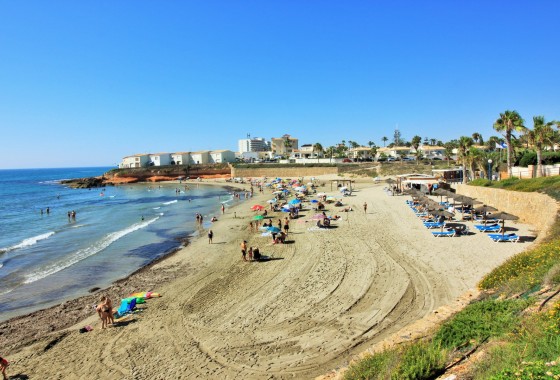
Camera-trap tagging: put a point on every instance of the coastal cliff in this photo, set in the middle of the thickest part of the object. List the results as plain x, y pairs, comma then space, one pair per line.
116, 177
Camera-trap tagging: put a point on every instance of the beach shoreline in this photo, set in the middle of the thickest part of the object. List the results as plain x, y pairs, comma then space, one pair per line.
323, 297
20, 330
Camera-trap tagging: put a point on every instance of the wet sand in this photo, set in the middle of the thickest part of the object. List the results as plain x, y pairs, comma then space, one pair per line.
319, 299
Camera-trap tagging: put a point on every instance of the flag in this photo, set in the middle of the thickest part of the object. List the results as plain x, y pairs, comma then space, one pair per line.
501, 145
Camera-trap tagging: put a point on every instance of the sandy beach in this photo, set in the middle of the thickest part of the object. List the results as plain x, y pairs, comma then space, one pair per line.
321, 298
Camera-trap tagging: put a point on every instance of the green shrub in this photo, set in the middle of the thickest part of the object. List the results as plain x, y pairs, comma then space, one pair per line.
527, 268
478, 321
415, 361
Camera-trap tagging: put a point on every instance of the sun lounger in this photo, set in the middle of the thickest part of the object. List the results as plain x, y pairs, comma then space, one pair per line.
507, 237
444, 233
434, 224
488, 227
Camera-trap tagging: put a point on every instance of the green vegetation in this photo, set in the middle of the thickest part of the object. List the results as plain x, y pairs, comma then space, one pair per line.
517, 344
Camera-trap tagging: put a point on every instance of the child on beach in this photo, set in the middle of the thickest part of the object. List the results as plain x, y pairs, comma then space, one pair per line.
3, 365
210, 236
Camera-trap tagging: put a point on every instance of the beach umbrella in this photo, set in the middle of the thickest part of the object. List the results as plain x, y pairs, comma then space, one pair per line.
503, 216
258, 217
273, 229
257, 208
294, 202
277, 192
485, 209
274, 200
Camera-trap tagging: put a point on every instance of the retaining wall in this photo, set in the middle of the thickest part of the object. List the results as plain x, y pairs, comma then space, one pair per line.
538, 210
283, 172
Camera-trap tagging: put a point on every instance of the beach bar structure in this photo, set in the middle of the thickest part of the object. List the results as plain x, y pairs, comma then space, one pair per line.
417, 181
452, 175
342, 182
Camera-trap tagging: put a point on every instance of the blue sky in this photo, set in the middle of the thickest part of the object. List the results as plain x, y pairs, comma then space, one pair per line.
86, 83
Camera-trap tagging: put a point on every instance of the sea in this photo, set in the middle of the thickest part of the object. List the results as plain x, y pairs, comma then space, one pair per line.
47, 257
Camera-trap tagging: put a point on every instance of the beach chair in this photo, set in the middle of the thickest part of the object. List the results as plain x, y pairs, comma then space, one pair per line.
450, 233
488, 227
507, 237
431, 225
127, 306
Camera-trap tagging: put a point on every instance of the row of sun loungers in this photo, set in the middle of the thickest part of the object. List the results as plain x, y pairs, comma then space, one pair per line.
489, 226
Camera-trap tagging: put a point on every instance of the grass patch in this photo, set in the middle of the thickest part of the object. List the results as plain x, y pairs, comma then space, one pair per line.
479, 321
531, 351
422, 360
525, 270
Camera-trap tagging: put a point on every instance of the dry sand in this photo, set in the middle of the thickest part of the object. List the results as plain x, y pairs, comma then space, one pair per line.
323, 297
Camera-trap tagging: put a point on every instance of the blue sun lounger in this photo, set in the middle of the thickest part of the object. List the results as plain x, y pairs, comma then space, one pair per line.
433, 224
507, 237
450, 233
488, 227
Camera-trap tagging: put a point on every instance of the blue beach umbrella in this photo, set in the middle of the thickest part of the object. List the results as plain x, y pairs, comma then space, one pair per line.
273, 229
294, 201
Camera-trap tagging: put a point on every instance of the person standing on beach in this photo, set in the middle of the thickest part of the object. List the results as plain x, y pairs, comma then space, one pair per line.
244, 250
365, 207
3, 365
286, 226
104, 311
210, 236
250, 253
223, 209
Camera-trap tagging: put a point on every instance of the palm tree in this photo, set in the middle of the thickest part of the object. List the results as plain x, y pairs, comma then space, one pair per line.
477, 137
448, 153
373, 151
415, 143
384, 139
370, 143
317, 147
433, 142
540, 136
463, 150
509, 122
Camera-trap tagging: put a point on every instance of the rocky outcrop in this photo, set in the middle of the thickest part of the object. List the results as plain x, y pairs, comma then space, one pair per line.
85, 183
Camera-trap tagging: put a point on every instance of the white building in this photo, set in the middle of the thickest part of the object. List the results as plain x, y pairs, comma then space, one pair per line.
361, 152
134, 161
221, 156
201, 157
160, 159
181, 158
256, 144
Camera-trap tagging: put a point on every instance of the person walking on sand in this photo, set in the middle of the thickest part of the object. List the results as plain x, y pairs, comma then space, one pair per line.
244, 250
286, 226
210, 236
365, 207
3, 365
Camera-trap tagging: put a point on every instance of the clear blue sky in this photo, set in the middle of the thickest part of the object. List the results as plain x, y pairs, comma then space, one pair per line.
84, 83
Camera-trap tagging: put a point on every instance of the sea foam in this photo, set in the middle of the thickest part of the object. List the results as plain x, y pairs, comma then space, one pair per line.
84, 253
28, 242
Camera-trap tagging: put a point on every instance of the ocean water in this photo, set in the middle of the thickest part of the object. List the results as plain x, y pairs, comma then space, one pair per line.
46, 258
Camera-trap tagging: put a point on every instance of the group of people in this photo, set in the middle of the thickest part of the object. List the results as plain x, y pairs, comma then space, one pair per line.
251, 254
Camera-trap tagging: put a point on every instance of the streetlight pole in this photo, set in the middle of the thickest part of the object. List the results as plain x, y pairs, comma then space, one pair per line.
490, 169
